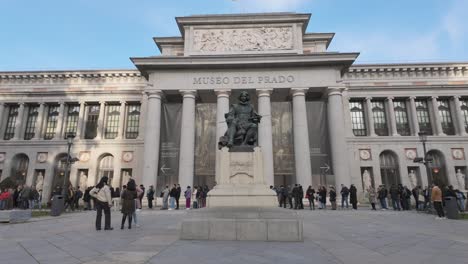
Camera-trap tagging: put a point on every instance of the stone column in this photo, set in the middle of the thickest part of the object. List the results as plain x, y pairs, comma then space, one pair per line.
100, 126
391, 117
265, 138
339, 150
222, 107
151, 146
459, 116
120, 134
19, 121
60, 119
301, 138
370, 116
81, 121
187, 139
414, 116
39, 121
435, 108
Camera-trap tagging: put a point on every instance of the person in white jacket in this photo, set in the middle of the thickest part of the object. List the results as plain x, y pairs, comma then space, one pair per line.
103, 197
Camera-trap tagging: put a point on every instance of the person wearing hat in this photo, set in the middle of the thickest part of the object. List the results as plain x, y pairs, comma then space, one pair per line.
103, 197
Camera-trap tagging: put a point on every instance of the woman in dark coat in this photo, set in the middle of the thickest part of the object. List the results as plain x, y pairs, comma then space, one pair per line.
128, 203
353, 196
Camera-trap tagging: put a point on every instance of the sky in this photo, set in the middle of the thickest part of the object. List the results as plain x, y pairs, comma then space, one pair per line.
103, 34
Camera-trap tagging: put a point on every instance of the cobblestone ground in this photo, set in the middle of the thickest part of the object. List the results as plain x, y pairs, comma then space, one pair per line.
361, 236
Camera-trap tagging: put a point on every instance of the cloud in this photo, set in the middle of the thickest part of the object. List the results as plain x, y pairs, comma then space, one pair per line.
269, 5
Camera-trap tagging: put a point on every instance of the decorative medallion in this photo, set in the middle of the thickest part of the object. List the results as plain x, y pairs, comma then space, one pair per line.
127, 156
411, 153
458, 154
2, 157
84, 156
365, 154
41, 157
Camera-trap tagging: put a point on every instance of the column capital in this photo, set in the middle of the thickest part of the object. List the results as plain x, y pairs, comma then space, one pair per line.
299, 91
123, 102
335, 90
390, 98
153, 94
21, 103
222, 92
188, 93
368, 98
412, 98
102, 102
456, 97
264, 92
434, 97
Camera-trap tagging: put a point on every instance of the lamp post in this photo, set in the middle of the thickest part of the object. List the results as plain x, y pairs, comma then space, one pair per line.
423, 138
70, 138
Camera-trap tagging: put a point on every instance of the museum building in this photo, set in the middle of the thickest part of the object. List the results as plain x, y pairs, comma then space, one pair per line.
325, 120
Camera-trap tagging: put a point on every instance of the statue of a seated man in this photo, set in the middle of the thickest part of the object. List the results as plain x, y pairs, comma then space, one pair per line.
242, 122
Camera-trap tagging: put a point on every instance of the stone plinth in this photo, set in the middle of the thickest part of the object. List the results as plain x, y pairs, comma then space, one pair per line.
15, 216
242, 223
240, 181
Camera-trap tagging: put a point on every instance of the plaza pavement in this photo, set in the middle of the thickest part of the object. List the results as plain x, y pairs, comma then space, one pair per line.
361, 236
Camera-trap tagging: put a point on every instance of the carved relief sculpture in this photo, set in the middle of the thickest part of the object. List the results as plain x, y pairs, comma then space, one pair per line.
366, 179
412, 179
246, 39
39, 182
83, 181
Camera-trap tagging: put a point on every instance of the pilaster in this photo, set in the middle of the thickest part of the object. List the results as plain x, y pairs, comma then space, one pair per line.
265, 139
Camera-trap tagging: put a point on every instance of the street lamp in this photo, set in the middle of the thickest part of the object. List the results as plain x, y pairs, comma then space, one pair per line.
69, 160
423, 138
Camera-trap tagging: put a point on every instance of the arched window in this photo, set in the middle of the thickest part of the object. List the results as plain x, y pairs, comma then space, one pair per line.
106, 168
389, 168
19, 170
438, 171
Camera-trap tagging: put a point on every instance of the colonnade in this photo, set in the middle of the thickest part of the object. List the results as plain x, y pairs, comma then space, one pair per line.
300, 129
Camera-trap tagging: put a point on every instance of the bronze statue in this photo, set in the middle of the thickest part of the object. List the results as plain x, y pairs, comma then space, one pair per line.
242, 122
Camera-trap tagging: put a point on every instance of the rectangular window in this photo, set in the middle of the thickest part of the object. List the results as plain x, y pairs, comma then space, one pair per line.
401, 118
424, 120
73, 114
380, 118
92, 121
446, 117
11, 122
112, 121
133, 121
464, 109
31, 122
358, 121
52, 119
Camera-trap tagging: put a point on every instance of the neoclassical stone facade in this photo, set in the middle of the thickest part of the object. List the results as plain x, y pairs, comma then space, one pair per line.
160, 123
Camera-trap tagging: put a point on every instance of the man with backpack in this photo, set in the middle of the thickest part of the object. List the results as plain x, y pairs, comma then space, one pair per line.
344, 196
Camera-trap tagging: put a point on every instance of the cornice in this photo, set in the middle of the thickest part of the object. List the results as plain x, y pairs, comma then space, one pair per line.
84, 74
309, 37
147, 64
376, 72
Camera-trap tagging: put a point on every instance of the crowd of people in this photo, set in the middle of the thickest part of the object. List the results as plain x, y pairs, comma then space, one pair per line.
399, 196
22, 197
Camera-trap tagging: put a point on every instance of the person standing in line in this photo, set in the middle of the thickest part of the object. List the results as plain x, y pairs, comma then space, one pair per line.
150, 196
372, 197
415, 193
353, 196
290, 197
87, 198
394, 194
33, 197
323, 197
382, 195
301, 197
195, 196
165, 196
188, 197
332, 197
310, 194
344, 196
172, 196
460, 200
77, 197
295, 191
103, 203
177, 197
436, 198
128, 197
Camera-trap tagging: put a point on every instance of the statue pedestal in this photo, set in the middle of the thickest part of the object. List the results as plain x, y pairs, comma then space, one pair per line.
240, 181
241, 206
